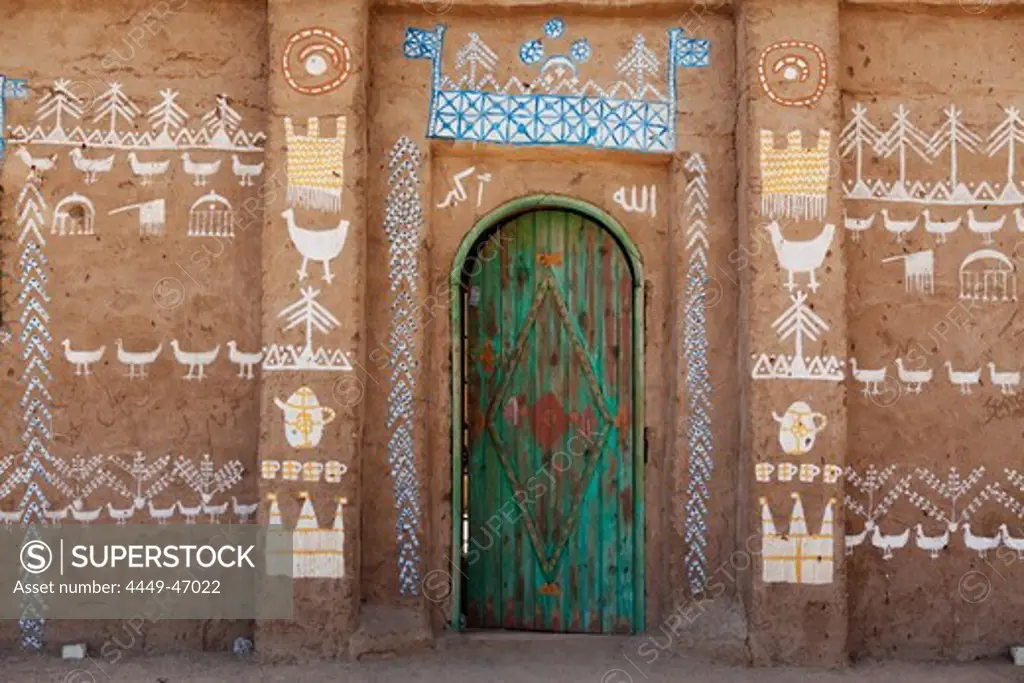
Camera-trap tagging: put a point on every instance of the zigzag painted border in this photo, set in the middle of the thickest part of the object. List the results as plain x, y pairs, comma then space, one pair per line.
698, 382
35, 341
403, 222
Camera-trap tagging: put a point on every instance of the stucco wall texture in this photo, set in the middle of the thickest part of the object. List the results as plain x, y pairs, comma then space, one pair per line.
884, 291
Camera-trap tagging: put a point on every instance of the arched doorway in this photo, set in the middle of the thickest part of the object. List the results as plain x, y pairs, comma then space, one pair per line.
547, 325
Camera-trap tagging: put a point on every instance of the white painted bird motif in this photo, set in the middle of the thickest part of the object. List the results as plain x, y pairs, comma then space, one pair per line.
245, 172
91, 167
1012, 542
854, 540
898, 228
161, 515
984, 228
215, 511
195, 360
36, 163
11, 517
58, 515
933, 544
965, 380
82, 359
886, 542
1006, 381
86, 516
243, 512
146, 170
190, 514
137, 361
200, 171
913, 378
245, 361
869, 378
858, 225
121, 516
980, 543
801, 256
940, 228
316, 245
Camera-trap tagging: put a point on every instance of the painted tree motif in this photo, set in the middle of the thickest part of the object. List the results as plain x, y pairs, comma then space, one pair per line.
221, 122
638, 64
859, 133
476, 56
870, 485
146, 480
901, 137
113, 105
13, 479
62, 106
954, 135
207, 481
309, 313
1007, 499
951, 491
798, 322
166, 118
1007, 135
78, 478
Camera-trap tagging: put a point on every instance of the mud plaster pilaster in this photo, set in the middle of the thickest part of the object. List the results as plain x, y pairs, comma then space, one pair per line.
789, 622
325, 609
398, 184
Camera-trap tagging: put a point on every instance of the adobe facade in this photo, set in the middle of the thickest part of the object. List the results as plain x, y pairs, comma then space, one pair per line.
283, 260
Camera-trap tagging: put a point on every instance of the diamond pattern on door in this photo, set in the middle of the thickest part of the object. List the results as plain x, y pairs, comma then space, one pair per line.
549, 424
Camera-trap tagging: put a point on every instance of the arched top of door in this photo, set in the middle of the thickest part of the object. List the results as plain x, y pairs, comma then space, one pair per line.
540, 202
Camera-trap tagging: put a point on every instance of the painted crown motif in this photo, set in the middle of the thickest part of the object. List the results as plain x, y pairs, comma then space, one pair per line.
797, 520
795, 169
797, 557
316, 551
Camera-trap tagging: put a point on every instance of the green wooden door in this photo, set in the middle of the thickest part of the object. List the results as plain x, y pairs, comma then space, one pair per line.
550, 540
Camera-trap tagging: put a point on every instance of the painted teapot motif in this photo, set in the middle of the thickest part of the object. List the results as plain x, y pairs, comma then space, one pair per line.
304, 418
798, 428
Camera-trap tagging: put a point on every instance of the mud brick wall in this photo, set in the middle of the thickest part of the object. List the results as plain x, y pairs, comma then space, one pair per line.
934, 284
104, 82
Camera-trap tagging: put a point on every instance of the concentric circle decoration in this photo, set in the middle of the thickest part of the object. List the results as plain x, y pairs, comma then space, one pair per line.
793, 73
316, 61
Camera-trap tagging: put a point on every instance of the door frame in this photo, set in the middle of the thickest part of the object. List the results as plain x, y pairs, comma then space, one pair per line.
488, 223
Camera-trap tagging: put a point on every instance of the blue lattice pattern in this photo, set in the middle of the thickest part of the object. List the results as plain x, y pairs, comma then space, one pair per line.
10, 89
552, 120
689, 52
420, 43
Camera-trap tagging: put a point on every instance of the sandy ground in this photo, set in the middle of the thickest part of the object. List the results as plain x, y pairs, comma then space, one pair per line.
593, 660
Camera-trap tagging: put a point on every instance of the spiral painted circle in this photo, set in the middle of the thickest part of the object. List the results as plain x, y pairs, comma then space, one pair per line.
316, 61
